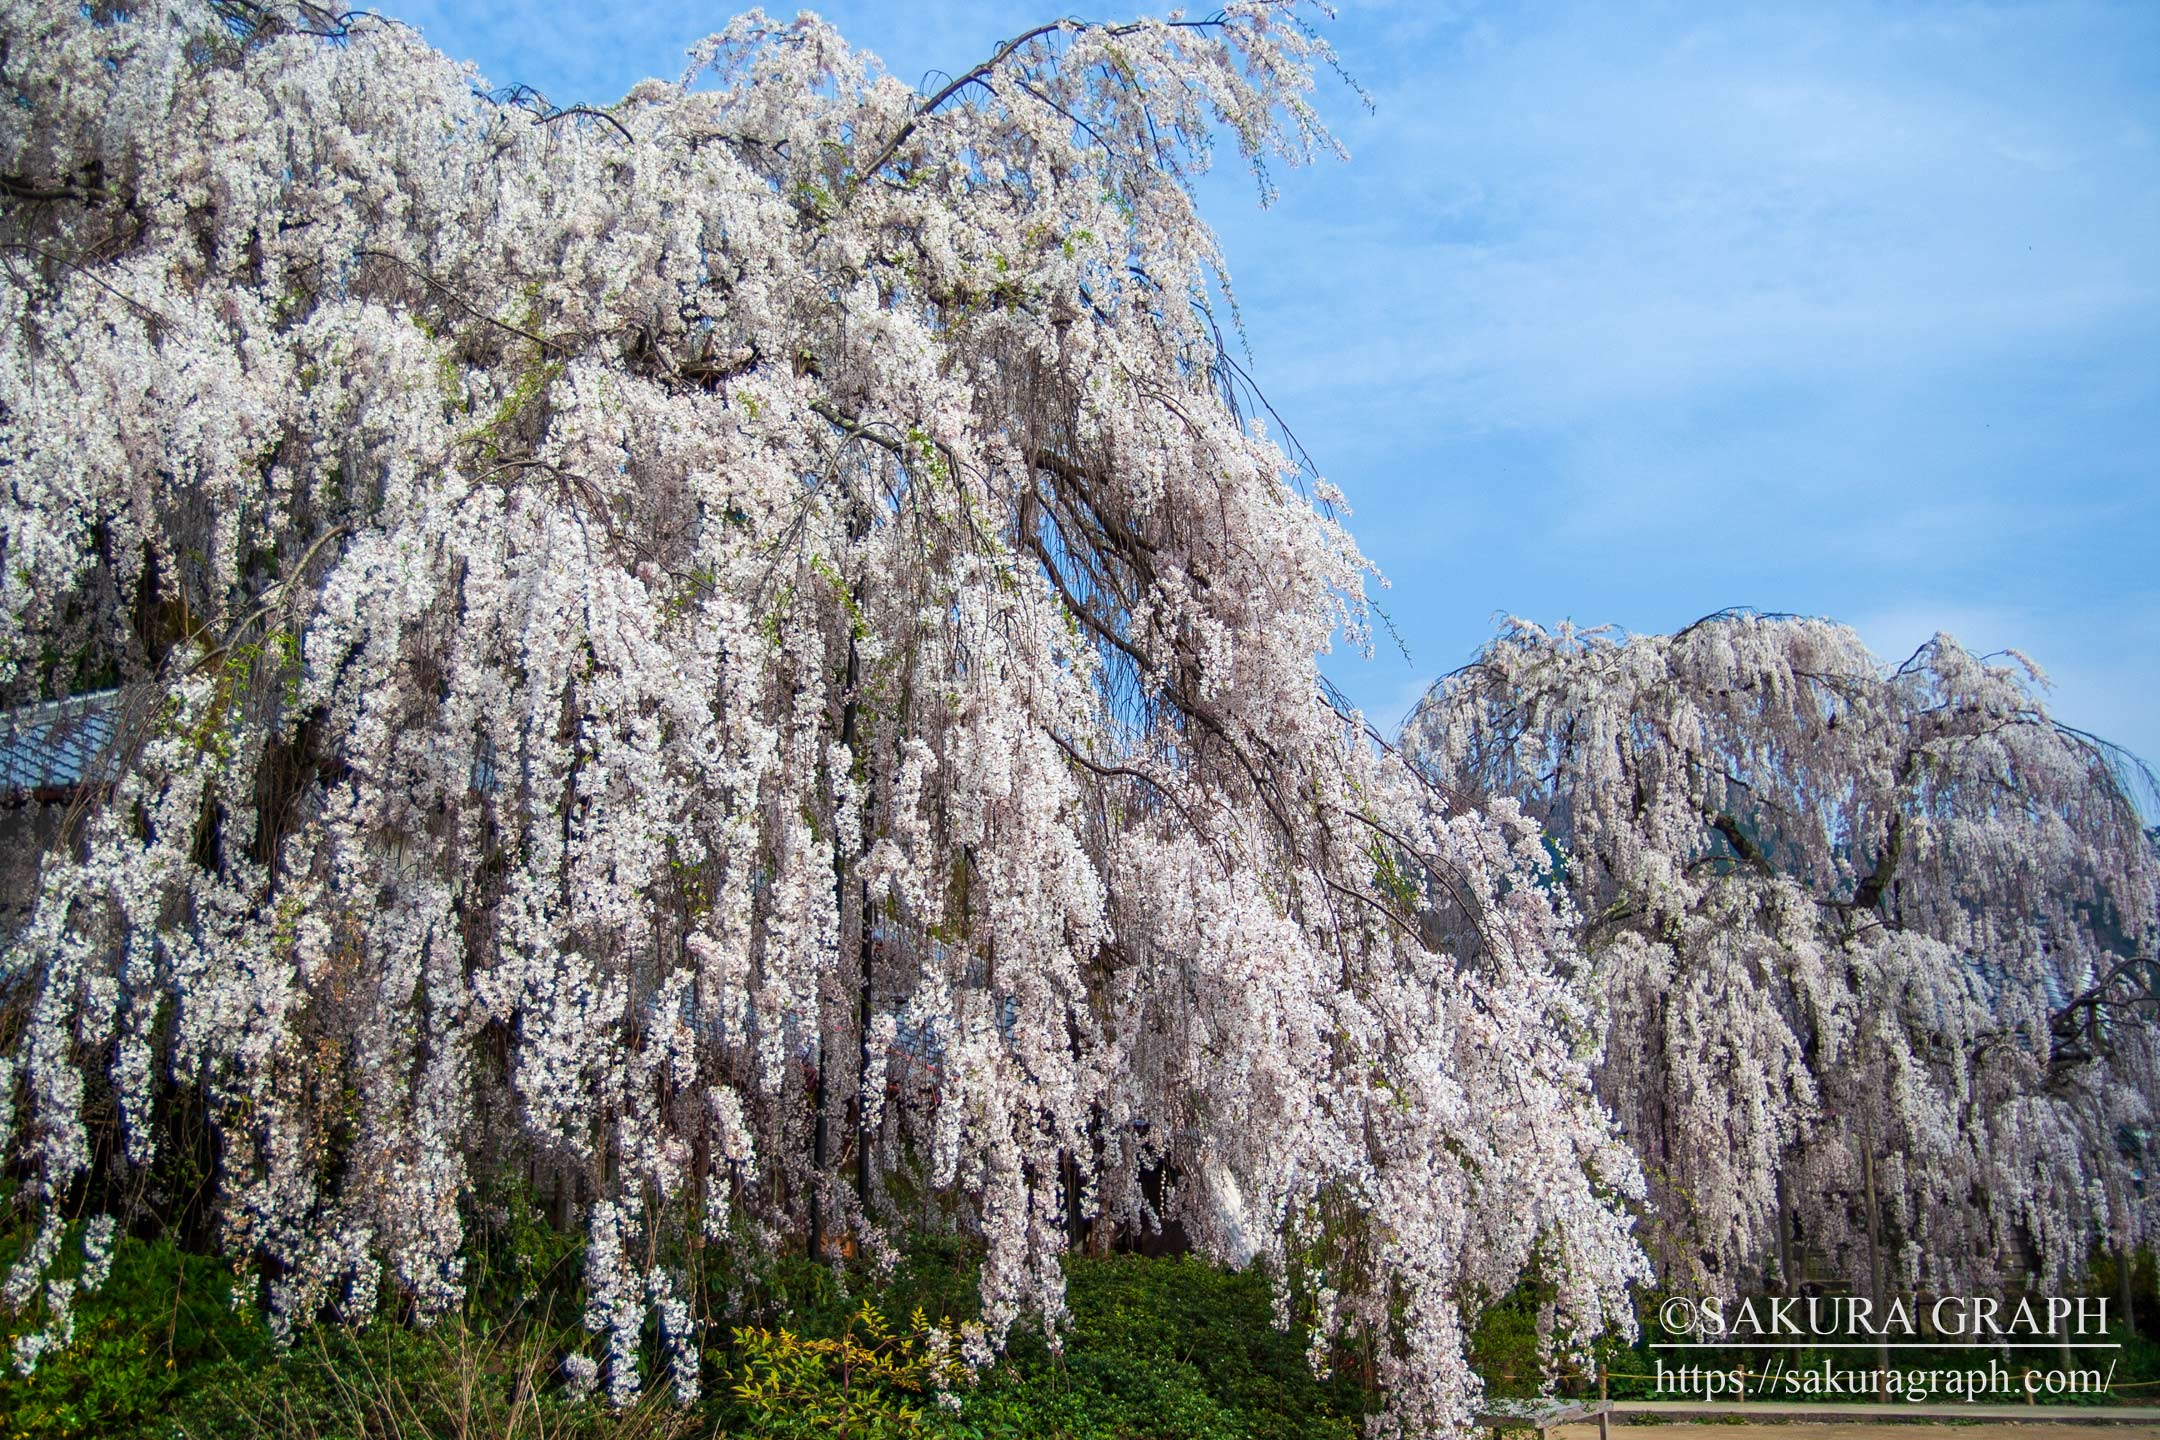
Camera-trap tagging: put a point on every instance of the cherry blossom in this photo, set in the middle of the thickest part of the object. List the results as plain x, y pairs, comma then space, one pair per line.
1870, 946
734, 657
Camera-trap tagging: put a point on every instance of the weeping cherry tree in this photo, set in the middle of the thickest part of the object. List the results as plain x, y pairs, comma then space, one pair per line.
737, 658
1871, 948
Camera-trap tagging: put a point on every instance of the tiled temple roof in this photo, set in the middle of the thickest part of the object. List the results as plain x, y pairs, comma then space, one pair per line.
57, 745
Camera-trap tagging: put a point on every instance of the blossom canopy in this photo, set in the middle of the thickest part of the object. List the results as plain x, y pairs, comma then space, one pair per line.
735, 656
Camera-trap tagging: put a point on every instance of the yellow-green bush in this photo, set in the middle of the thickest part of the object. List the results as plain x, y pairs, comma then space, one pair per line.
869, 1382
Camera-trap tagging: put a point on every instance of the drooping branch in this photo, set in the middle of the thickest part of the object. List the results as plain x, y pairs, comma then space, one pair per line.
1768, 1020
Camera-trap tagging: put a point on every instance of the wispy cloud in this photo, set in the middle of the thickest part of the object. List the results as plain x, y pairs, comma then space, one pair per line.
1594, 212
1628, 313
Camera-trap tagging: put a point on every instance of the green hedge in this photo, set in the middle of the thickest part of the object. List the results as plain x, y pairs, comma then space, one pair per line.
1158, 1349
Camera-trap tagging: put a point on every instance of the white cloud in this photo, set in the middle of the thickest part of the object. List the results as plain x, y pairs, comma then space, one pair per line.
1629, 313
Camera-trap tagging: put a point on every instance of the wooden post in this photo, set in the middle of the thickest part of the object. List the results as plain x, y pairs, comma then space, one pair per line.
820, 1148
2125, 1260
1875, 1275
863, 1134
1784, 1234
821, 1136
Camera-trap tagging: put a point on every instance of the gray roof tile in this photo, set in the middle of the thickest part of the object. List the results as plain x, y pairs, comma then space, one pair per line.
57, 744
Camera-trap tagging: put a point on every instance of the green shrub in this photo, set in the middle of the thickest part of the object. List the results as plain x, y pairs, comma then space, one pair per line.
869, 1382
1156, 1350
160, 1351
1161, 1348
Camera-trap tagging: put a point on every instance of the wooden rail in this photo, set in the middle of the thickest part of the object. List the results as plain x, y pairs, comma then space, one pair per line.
1543, 1416
1891, 1410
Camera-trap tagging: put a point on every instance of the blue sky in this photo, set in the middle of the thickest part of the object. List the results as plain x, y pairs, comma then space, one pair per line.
1628, 313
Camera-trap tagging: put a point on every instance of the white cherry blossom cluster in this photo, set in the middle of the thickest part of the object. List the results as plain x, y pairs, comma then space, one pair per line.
721, 655
1871, 947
